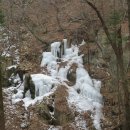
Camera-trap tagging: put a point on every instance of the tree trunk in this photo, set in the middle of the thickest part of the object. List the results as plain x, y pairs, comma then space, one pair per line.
127, 105
2, 121
128, 2
125, 96
124, 83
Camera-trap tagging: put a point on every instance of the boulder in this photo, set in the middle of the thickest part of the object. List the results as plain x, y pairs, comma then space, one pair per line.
62, 113
71, 75
54, 109
29, 85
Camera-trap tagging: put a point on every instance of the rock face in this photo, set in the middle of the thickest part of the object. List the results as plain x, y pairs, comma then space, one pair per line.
55, 110
29, 85
62, 112
44, 113
71, 75
6, 61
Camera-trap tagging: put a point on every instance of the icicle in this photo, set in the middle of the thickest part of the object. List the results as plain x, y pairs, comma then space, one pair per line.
65, 45
55, 48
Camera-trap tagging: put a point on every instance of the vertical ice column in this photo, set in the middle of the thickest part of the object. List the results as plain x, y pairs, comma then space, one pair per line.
65, 45
55, 48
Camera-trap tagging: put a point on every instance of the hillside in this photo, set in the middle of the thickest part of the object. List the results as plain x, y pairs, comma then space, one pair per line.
64, 64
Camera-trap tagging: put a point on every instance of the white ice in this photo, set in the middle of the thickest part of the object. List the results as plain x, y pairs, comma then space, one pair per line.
55, 47
85, 95
47, 58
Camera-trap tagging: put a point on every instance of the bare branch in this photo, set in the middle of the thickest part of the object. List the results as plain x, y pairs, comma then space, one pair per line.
37, 38
105, 28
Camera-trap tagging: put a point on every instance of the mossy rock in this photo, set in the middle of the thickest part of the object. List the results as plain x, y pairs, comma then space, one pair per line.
71, 75
62, 113
43, 112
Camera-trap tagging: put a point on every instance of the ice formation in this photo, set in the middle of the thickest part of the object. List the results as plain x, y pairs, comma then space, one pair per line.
55, 48
84, 95
47, 58
65, 45
43, 83
43, 87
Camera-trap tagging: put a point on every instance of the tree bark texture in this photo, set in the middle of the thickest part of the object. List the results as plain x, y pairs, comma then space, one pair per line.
2, 121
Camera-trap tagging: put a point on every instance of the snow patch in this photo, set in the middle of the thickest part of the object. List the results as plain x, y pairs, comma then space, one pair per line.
10, 67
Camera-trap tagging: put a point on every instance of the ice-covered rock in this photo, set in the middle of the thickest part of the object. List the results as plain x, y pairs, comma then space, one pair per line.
83, 96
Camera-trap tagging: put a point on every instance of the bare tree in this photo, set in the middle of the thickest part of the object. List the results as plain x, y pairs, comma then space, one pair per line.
2, 121
118, 50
